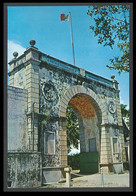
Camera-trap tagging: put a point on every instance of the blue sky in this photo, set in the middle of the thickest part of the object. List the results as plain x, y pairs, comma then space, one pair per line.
53, 37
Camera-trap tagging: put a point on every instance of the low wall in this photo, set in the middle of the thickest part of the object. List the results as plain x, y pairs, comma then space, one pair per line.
24, 169
51, 174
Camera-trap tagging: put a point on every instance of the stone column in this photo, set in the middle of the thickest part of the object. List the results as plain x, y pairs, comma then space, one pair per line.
63, 145
119, 115
32, 86
123, 151
117, 100
105, 157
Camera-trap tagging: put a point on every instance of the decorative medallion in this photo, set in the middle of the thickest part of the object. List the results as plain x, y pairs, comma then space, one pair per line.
49, 92
112, 107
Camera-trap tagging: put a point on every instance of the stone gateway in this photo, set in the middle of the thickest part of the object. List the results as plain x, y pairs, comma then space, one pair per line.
40, 89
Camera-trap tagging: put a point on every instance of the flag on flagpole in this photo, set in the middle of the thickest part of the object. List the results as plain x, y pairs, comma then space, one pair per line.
64, 17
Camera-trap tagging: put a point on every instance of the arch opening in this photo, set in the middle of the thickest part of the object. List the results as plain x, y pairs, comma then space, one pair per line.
89, 116
90, 95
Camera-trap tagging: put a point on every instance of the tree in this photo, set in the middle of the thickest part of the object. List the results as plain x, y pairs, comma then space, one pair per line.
111, 25
125, 116
125, 113
72, 129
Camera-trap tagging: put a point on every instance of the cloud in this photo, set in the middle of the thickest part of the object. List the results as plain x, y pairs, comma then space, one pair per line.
12, 47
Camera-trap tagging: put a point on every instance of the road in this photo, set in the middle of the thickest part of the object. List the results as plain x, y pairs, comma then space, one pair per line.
94, 180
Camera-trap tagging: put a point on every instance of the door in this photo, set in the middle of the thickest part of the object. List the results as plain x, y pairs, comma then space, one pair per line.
92, 145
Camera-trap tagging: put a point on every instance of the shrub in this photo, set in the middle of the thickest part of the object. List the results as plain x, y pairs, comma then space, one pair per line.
74, 161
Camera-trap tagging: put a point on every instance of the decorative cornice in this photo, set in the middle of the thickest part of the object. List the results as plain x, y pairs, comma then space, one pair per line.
23, 64
32, 60
31, 48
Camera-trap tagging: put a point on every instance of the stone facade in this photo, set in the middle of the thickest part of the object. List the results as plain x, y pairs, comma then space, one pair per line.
24, 169
17, 119
51, 86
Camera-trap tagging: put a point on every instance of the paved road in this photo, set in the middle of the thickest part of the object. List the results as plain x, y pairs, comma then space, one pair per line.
94, 180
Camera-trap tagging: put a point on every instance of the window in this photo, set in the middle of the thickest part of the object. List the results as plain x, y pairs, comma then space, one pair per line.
115, 145
49, 143
92, 145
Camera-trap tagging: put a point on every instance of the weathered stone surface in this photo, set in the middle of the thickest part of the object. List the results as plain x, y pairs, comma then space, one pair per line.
24, 169
17, 106
53, 85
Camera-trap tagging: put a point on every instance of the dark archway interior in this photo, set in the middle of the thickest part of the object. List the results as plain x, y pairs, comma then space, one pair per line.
89, 116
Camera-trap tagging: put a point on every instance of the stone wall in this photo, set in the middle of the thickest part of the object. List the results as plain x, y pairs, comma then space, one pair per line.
24, 169
17, 122
52, 85
59, 81
65, 87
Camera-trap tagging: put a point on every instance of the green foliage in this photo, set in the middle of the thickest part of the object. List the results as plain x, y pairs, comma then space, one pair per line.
74, 161
121, 64
125, 114
124, 111
72, 129
111, 23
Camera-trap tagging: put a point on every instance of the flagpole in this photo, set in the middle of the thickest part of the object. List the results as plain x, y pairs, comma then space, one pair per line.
72, 38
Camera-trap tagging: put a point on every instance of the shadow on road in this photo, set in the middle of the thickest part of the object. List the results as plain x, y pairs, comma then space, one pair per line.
77, 174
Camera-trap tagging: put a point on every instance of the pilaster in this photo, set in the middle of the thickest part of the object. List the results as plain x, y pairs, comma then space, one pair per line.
106, 154
63, 142
32, 86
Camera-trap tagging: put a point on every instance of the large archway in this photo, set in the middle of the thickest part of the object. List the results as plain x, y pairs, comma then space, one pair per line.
95, 101
91, 115
89, 133
88, 121
51, 85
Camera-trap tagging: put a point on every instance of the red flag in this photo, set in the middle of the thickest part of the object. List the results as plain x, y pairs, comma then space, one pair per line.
64, 17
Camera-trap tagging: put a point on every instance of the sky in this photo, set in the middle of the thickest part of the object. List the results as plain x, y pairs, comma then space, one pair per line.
53, 37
